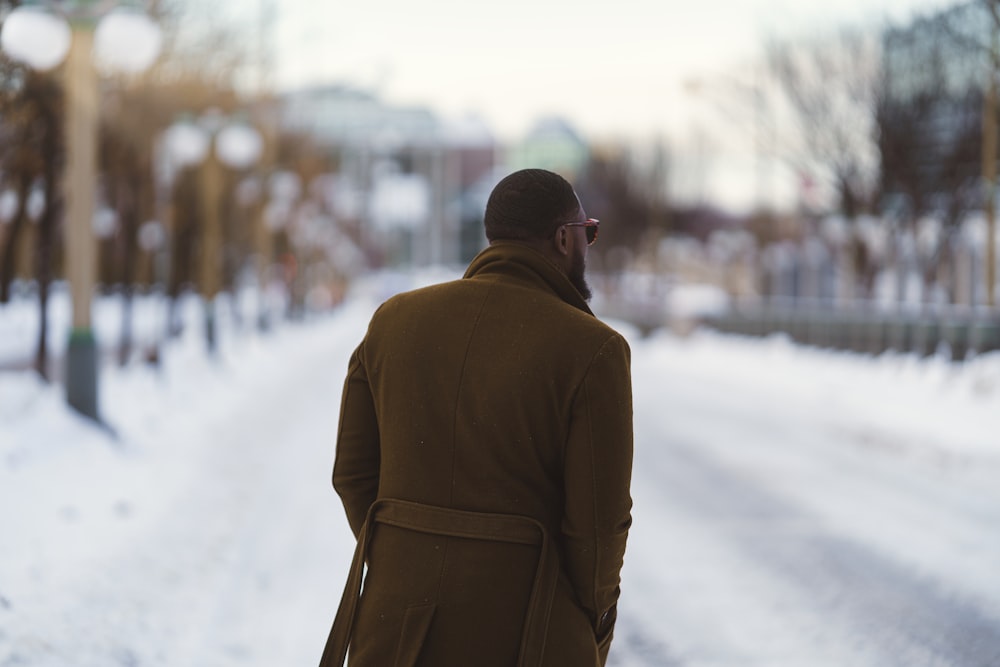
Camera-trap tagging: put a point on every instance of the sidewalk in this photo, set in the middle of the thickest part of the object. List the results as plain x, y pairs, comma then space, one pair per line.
206, 533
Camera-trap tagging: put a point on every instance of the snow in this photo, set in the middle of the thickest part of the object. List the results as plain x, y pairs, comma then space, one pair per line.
199, 527
812, 458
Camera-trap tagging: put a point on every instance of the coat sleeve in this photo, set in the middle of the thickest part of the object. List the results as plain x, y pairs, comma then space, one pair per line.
598, 472
356, 464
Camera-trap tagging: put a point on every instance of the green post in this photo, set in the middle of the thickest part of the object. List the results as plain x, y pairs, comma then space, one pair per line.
211, 340
81, 373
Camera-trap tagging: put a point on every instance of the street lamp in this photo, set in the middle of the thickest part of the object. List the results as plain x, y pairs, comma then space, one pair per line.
127, 40
36, 37
212, 142
285, 189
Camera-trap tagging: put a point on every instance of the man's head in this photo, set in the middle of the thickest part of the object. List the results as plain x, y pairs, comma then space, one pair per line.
536, 207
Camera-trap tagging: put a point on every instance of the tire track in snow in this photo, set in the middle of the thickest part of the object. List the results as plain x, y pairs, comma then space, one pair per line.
847, 603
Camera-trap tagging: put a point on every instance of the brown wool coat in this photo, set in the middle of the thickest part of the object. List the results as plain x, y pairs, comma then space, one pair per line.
499, 393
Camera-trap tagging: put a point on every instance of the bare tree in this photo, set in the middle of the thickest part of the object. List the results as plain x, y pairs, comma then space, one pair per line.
974, 26
32, 149
827, 92
631, 194
825, 104
132, 118
20, 162
930, 128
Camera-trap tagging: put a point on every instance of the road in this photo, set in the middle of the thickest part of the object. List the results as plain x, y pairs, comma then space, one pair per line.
770, 534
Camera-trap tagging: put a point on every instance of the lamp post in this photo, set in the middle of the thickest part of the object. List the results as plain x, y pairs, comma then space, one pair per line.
125, 39
285, 189
213, 142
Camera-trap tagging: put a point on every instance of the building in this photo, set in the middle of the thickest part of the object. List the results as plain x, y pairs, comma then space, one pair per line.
406, 169
551, 144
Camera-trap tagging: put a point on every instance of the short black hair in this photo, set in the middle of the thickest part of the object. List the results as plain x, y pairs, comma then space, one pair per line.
529, 204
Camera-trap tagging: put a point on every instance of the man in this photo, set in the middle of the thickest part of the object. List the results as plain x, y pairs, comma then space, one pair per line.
484, 456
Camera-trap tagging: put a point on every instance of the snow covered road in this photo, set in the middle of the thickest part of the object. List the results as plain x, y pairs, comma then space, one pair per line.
771, 530
792, 508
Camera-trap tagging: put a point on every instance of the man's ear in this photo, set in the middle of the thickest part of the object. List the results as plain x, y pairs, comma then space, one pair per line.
560, 241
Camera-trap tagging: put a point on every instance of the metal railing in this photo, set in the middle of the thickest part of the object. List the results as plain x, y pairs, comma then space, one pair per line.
958, 331
867, 328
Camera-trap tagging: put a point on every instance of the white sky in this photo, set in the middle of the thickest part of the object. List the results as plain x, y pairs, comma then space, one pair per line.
614, 69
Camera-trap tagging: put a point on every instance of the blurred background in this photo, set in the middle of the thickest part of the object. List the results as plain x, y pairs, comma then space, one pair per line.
798, 237
824, 171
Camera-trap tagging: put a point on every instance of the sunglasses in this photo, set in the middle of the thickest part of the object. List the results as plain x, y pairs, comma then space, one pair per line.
590, 227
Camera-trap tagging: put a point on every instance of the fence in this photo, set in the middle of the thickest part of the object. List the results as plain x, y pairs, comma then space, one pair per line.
867, 328
959, 331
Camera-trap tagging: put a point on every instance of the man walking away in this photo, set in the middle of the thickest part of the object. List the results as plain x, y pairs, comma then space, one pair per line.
484, 456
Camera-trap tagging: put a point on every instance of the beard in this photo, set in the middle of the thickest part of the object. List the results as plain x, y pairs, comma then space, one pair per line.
576, 276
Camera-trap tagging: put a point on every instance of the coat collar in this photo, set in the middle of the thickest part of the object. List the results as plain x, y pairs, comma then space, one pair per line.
526, 265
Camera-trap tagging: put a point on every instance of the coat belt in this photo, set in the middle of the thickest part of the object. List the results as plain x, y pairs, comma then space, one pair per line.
508, 528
